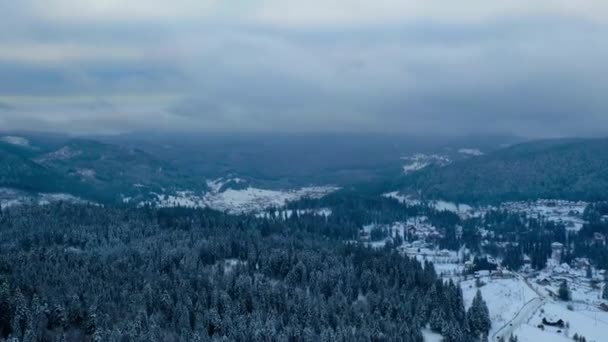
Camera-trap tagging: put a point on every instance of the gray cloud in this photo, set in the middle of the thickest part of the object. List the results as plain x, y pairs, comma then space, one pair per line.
532, 69
6, 107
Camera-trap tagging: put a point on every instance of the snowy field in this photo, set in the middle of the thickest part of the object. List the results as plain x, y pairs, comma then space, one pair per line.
11, 197
13, 140
592, 324
419, 161
474, 152
249, 200
504, 297
463, 210
430, 336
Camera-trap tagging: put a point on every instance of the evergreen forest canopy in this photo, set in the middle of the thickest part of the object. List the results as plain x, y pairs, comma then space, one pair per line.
88, 273
573, 169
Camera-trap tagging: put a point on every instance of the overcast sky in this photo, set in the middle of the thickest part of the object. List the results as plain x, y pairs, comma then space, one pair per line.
532, 68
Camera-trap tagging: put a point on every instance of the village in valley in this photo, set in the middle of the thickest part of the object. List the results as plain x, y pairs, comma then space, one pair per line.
563, 301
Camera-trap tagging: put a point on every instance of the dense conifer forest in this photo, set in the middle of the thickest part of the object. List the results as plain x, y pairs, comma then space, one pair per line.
88, 273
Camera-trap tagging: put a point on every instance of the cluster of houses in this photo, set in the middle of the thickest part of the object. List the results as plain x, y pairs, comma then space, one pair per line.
414, 229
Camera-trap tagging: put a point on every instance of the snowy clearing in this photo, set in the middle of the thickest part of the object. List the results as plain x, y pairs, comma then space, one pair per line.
13, 140
420, 161
504, 297
12, 197
593, 325
475, 152
249, 200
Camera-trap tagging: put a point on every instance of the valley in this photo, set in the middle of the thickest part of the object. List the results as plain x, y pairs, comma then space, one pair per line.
516, 253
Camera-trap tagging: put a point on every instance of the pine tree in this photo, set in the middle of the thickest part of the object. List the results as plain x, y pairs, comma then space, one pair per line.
5, 310
437, 320
21, 316
479, 316
564, 291
605, 292
90, 322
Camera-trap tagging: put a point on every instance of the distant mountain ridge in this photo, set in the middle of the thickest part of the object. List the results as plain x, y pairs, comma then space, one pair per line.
575, 169
16, 171
90, 169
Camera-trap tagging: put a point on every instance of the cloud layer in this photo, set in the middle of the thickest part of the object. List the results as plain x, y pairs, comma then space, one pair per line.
103, 66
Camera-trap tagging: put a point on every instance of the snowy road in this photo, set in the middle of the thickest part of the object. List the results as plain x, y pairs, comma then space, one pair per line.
523, 315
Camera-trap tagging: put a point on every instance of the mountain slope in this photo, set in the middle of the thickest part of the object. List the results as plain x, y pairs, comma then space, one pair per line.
16, 171
564, 168
112, 170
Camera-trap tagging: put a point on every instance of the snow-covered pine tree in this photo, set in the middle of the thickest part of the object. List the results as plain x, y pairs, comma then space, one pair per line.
478, 316
564, 291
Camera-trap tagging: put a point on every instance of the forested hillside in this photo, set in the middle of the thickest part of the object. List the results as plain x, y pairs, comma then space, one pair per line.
90, 169
111, 170
73, 272
574, 169
17, 171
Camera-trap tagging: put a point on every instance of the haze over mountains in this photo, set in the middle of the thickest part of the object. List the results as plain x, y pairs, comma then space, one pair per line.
574, 169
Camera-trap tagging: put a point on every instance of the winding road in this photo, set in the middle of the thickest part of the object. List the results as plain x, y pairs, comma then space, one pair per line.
523, 315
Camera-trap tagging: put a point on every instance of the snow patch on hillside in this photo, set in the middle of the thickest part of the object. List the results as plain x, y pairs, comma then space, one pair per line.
504, 297
63, 153
247, 200
420, 161
559, 211
12, 197
13, 140
592, 324
474, 152
463, 210
216, 185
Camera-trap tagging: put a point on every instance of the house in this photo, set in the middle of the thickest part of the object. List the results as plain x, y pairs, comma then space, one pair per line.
599, 239
560, 323
468, 265
543, 281
580, 263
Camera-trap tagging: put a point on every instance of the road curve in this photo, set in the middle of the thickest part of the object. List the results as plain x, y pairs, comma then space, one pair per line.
523, 315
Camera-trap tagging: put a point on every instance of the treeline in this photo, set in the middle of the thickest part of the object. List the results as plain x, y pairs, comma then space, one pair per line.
87, 273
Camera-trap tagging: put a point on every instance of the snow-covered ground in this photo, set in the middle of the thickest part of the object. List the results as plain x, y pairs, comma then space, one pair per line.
249, 200
419, 161
430, 336
13, 140
417, 228
559, 211
464, 210
591, 323
63, 153
518, 306
504, 297
584, 291
474, 152
12, 197
216, 185
285, 214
